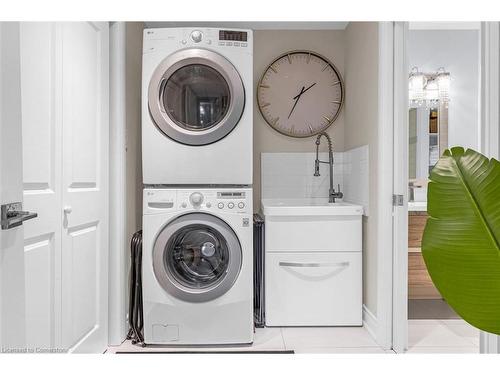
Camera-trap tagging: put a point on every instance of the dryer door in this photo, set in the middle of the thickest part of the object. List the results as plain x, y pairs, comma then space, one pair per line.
197, 257
196, 97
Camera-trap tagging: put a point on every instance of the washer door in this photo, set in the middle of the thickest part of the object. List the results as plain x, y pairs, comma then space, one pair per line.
197, 257
196, 97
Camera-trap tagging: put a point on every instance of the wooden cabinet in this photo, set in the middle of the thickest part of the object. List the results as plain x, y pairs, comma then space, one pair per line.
420, 285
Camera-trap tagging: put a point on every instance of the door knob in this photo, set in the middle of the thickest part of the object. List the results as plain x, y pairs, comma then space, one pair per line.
68, 209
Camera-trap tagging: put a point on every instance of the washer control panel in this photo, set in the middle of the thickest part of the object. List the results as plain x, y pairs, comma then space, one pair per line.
236, 201
156, 200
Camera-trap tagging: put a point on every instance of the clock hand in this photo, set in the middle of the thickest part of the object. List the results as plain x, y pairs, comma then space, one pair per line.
296, 100
298, 96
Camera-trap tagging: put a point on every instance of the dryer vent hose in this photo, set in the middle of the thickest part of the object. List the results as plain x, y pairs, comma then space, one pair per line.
135, 312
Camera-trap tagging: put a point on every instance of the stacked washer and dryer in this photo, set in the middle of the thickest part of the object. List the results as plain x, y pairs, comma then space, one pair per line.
197, 172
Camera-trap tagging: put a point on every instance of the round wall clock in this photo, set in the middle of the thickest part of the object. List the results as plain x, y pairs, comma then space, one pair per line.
300, 94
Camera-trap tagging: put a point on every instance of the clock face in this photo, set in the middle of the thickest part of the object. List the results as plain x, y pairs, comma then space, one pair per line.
300, 94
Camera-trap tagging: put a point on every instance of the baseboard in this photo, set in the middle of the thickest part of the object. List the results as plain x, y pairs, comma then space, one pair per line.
370, 322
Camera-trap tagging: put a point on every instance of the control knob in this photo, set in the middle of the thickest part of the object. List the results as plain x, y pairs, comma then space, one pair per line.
196, 199
196, 35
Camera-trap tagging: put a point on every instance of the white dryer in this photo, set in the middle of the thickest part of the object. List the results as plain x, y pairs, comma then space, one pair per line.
197, 266
197, 106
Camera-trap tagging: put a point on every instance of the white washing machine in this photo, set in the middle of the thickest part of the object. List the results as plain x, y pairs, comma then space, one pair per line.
197, 266
197, 110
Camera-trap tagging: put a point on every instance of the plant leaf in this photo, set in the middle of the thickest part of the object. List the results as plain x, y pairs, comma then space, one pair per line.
461, 241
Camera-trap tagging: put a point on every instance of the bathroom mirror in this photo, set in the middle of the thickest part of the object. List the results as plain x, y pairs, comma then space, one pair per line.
429, 95
428, 138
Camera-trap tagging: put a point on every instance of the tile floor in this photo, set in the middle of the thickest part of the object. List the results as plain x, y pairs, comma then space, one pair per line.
300, 340
442, 336
425, 336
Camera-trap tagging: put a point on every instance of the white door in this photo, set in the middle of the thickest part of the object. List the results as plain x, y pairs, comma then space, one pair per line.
85, 133
64, 80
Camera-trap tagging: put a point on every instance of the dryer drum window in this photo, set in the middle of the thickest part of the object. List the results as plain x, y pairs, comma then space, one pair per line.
197, 257
196, 97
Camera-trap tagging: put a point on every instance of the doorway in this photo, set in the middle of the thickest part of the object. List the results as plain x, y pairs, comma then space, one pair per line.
442, 75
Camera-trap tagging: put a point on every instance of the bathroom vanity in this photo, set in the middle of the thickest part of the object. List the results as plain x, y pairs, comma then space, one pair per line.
313, 262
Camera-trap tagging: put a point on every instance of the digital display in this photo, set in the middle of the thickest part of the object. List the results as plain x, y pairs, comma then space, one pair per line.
231, 195
239, 36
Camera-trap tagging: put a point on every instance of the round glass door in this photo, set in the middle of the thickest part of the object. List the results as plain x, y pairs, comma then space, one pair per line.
196, 97
197, 257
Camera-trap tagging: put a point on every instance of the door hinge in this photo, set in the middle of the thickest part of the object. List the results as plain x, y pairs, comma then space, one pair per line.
397, 200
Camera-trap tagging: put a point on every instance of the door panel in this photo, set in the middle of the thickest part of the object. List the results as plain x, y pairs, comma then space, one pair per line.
85, 169
83, 283
41, 182
37, 92
81, 103
39, 258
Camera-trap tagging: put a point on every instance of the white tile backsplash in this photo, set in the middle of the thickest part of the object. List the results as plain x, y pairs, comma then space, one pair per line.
356, 176
291, 175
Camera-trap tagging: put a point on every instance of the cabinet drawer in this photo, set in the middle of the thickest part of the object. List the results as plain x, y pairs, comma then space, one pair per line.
310, 233
313, 289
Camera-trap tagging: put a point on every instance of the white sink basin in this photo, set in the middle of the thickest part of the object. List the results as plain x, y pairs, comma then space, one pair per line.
308, 207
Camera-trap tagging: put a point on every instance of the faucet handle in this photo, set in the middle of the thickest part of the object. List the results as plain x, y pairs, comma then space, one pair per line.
339, 194
316, 168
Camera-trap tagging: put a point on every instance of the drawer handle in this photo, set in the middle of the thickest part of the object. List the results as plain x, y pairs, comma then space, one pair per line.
293, 264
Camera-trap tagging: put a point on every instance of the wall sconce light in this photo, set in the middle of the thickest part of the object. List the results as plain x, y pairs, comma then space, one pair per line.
429, 89
417, 82
443, 82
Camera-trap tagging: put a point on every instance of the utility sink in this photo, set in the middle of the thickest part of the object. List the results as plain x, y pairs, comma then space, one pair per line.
308, 207
313, 262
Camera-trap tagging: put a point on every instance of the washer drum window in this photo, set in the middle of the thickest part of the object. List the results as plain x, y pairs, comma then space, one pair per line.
196, 97
197, 257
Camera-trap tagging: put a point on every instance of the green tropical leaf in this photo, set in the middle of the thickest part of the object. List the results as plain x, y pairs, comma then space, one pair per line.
461, 241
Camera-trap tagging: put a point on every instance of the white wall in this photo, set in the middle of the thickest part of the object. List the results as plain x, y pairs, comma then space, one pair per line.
126, 167
133, 125
458, 52
361, 128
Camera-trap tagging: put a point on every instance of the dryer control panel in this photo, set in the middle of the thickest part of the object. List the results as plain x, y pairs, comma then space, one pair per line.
196, 37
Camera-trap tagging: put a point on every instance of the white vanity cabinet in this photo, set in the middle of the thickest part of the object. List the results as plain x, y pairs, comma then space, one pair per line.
313, 263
